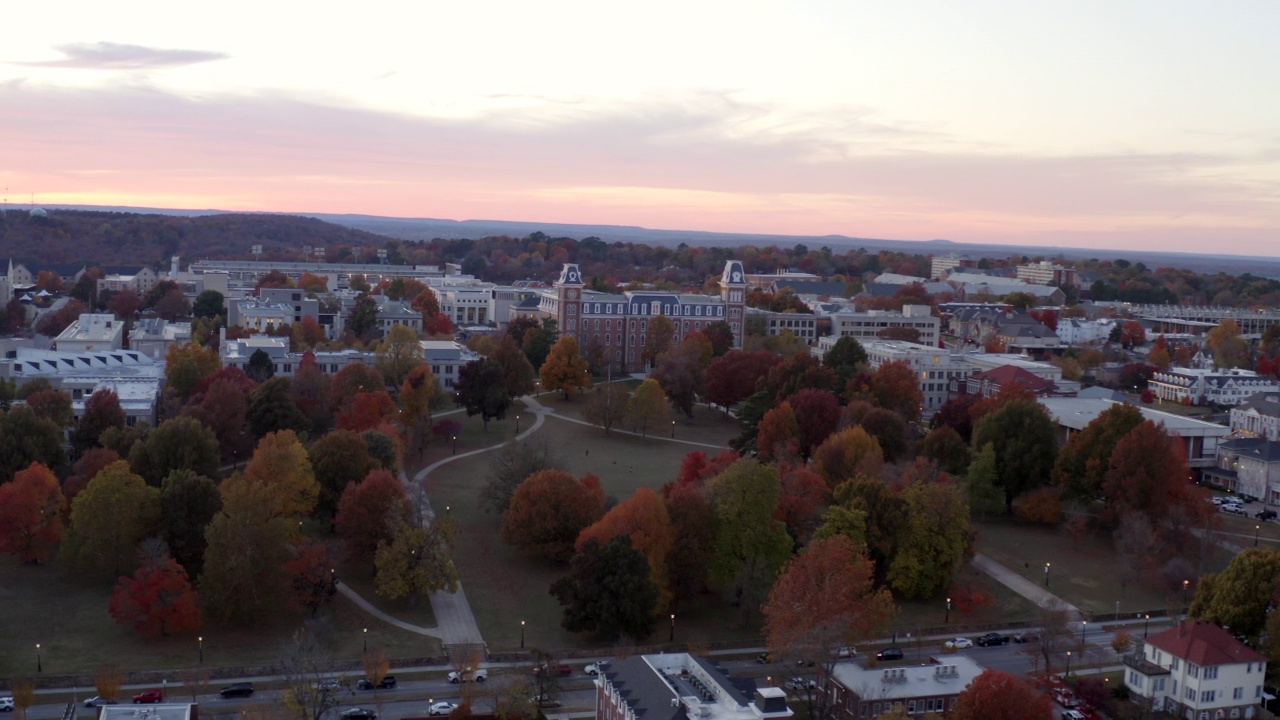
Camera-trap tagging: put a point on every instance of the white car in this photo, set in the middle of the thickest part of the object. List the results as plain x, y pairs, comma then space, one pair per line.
799, 683
1234, 509
846, 652
596, 667
442, 708
469, 676
959, 644
6, 704
98, 701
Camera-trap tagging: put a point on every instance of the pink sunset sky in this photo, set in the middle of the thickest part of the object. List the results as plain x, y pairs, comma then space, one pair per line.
1136, 125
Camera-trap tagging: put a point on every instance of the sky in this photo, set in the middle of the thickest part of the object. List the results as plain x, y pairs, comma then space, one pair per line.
1151, 125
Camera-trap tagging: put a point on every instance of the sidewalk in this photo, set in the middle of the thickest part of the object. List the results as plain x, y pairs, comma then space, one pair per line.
1041, 596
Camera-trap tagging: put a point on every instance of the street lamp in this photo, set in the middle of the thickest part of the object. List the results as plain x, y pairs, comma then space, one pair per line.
672, 637
455, 445
1146, 622
1256, 528
200, 641
39, 659
1084, 628
673, 429
948, 611
1064, 677
366, 641
1185, 585
1046, 574
521, 634
517, 424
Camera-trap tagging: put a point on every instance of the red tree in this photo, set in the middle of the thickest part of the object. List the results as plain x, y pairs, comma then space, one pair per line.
697, 467
89, 465
31, 510
804, 496
367, 511
732, 377
352, 379
310, 571
549, 509
157, 600
438, 324
366, 411
779, 434
996, 695
817, 415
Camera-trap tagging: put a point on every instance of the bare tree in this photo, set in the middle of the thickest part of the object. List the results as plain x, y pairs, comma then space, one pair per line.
511, 465
307, 692
24, 694
1135, 540
196, 681
1054, 619
544, 678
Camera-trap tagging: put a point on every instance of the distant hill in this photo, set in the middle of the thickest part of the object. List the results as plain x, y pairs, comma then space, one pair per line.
99, 237
214, 233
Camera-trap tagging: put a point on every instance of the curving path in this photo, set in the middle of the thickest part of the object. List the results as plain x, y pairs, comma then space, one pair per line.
368, 607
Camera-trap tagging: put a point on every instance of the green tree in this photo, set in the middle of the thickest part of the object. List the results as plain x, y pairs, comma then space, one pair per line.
339, 459
248, 545
884, 512
1239, 597
517, 373
399, 353
750, 544
101, 411
188, 502
382, 448
608, 591
721, 336
647, 409
480, 390
1022, 434
271, 408
538, 341
658, 338
606, 406
26, 438
944, 446
416, 395
981, 482
260, 368
108, 519
682, 372
417, 561
565, 369
182, 443
935, 541
847, 357
363, 322
209, 304
510, 466
1083, 462
185, 365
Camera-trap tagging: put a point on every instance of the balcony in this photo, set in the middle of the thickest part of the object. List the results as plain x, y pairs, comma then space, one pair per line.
1138, 662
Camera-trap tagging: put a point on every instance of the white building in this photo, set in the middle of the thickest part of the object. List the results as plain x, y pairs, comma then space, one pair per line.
935, 368
92, 331
1196, 670
139, 280
1046, 272
1199, 438
467, 305
802, 325
1203, 386
154, 336
259, 315
672, 686
1258, 415
134, 376
446, 358
1078, 331
857, 692
867, 326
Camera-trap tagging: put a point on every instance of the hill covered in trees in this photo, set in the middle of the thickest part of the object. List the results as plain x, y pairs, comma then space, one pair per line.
119, 238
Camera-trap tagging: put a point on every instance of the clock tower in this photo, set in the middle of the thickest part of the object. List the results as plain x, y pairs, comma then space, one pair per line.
733, 290
569, 301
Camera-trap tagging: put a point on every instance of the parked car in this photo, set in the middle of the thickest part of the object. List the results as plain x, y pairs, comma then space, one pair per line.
1235, 509
763, 658
802, 662
559, 669
544, 701
1026, 636
6, 704
441, 708
98, 701
799, 683
1072, 715
992, 639
149, 696
958, 644
359, 714
386, 683
244, 689
847, 651
890, 653
1220, 499
1265, 514
330, 684
469, 676
596, 667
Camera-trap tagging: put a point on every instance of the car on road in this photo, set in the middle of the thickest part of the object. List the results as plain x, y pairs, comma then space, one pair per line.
992, 639
890, 653
358, 714
802, 662
468, 676
386, 683
1026, 636
799, 683
149, 696
1072, 715
441, 708
958, 644
243, 689
847, 651
1235, 509
98, 701
556, 669
596, 667
330, 684
6, 704
763, 658
1265, 514
544, 701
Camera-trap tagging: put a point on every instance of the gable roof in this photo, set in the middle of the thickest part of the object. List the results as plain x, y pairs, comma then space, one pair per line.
1253, 447
1006, 374
1205, 644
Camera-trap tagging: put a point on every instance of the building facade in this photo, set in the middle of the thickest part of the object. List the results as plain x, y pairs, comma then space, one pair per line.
91, 332
857, 692
1197, 671
1046, 272
619, 323
871, 325
680, 686
935, 368
1258, 415
1248, 466
1203, 386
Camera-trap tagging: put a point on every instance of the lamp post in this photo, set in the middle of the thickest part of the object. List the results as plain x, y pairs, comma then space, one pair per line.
1185, 585
948, 619
521, 634
1046, 574
39, 659
200, 642
673, 429
455, 445
517, 424
366, 641
672, 636
1064, 677
1146, 622
1256, 528
1084, 628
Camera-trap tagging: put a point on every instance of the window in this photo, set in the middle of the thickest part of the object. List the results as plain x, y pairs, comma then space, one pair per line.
1211, 673
911, 707
1193, 670
1237, 694
1174, 665
1189, 694
1206, 696
1157, 685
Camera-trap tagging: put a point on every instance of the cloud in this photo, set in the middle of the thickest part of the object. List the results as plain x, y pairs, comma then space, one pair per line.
115, 56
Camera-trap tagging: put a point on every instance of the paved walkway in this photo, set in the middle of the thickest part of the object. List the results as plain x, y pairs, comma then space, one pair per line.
1041, 596
368, 607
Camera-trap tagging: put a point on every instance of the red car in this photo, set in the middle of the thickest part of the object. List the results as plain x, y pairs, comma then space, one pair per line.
149, 696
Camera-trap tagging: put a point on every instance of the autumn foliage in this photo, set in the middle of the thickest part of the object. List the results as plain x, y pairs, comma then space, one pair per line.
31, 514
996, 695
366, 411
1041, 506
157, 600
643, 518
549, 509
368, 510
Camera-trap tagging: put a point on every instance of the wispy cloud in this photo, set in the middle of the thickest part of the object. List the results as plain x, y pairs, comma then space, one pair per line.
116, 56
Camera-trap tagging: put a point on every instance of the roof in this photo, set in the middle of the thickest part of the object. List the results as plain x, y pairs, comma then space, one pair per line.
1007, 374
812, 287
945, 675
1263, 403
1075, 413
1205, 644
1257, 448
677, 686
1100, 393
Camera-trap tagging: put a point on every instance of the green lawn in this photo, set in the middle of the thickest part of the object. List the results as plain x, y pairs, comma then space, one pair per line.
69, 618
931, 615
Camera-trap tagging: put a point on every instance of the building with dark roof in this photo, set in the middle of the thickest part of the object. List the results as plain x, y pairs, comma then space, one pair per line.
989, 383
1258, 415
680, 686
858, 692
1197, 670
1248, 466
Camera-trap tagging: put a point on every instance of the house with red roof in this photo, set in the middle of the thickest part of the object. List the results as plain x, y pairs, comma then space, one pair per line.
1197, 670
990, 382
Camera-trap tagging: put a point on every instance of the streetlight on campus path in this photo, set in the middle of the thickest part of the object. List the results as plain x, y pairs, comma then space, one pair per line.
1256, 528
366, 641
517, 424
1068, 675
455, 445
521, 634
1146, 622
39, 659
672, 637
1046, 574
673, 429
1185, 585
1084, 628
200, 641
948, 620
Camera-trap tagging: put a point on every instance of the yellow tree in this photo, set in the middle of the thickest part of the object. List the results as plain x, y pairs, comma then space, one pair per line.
648, 409
281, 465
658, 338
1230, 350
115, 511
399, 353
415, 406
565, 368
185, 365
